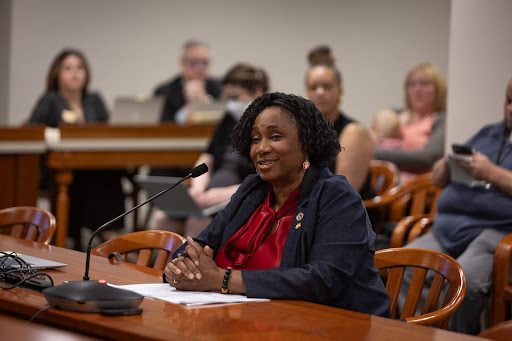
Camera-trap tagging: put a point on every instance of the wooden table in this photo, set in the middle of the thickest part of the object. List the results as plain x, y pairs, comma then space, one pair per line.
119, 147
275, 320
16, 329
20, 153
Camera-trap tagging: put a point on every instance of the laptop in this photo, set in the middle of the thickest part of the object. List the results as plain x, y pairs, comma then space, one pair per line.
36, 263
176, 202
206, 112
137, 110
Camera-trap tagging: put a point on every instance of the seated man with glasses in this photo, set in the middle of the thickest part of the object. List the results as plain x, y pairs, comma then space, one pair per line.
193, 85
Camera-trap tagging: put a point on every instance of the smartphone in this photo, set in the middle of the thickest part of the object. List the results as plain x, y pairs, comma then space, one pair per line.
461, 149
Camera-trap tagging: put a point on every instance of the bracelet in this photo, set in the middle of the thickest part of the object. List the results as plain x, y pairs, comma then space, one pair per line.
224, 289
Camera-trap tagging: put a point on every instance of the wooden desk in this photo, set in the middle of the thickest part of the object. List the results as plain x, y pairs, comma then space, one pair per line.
119, 147
275, 320
20, 153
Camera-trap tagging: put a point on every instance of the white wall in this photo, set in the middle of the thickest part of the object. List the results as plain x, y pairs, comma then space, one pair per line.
133, 45
480, 65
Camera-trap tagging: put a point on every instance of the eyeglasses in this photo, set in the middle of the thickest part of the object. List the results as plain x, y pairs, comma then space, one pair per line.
232, 97
422, 84
197, 62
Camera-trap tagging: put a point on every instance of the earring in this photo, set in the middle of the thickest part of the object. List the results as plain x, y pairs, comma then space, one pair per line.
305, 164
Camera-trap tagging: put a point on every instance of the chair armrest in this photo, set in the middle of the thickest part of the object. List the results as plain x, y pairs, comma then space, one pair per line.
501, 331
384, 199
421, 227
501, 273
406, 226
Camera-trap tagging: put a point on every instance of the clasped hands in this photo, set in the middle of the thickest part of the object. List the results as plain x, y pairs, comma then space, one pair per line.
197, 271
195, 91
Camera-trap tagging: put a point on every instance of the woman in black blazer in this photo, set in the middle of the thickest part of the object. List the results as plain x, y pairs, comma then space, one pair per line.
95, 196
292, 231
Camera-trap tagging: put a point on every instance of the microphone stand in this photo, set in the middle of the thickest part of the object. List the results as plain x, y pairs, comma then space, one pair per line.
92, 296
107, 224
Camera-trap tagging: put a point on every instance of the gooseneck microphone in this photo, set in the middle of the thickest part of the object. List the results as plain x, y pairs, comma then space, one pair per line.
91, 296
194, 173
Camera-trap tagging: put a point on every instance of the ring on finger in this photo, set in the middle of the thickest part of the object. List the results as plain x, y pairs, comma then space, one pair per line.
174, 260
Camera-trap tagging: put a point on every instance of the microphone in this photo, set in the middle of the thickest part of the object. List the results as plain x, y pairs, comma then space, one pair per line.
197, 171
92, 296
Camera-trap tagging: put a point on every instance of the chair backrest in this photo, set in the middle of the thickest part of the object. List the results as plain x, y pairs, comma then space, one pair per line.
391, 264
413, 198
30, 223
384, 176
144, 242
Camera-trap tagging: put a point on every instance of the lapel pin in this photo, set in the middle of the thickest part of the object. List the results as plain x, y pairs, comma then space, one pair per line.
299, 216
298, 225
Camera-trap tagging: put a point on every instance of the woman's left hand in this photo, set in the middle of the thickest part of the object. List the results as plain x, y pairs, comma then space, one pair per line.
211, 275
185, 266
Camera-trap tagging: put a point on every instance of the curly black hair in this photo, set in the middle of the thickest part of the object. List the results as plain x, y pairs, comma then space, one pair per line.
316, 133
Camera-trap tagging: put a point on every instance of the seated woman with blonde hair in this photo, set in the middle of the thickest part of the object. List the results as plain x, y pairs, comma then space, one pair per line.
413, 139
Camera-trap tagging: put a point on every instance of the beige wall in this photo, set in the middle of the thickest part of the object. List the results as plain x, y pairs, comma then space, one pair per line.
480, 65
133, 45
5, 31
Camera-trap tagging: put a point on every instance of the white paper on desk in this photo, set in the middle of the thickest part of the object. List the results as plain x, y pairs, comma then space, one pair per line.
165, 292
459, 174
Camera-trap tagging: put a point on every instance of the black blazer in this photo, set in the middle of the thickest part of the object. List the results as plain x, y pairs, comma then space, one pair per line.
327, 259
49, 107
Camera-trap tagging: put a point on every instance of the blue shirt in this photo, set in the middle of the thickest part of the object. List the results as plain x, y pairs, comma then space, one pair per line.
464, 212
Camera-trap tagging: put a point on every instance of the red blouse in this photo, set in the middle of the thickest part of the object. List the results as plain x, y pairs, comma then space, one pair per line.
252, 247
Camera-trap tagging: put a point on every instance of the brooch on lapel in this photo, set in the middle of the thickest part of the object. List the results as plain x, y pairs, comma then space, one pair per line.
299, 216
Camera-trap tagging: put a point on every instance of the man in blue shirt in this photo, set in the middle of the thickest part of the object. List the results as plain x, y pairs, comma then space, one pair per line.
471, 221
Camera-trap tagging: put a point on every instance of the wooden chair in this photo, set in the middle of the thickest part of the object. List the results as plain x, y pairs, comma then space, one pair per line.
501, 292
29, 223
384, 176
144, 242
499, 332
410, 228
411, 199
392, 263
